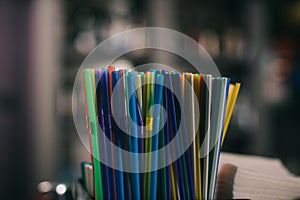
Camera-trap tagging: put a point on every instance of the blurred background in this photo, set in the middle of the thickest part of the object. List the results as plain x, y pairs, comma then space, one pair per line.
43, 42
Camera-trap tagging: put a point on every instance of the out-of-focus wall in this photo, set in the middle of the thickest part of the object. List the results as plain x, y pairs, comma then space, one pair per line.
47, 50
16, 173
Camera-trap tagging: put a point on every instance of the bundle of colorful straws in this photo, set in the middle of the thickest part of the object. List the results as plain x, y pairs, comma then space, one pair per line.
143, 112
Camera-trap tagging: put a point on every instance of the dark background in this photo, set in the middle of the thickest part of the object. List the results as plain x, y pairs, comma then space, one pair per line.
42, 44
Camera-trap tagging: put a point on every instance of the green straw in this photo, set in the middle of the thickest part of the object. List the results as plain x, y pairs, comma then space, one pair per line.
92, 120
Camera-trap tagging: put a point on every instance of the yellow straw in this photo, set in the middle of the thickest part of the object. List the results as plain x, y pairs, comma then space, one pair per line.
232, 96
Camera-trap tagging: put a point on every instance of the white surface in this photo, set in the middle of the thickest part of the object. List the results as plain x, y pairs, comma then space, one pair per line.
262, 165
261, 178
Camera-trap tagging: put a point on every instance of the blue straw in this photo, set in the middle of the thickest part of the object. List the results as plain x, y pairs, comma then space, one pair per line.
166, 135
108, 129
190, 190
133, 145
173, 130
156, 121
101, 120
119, 174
